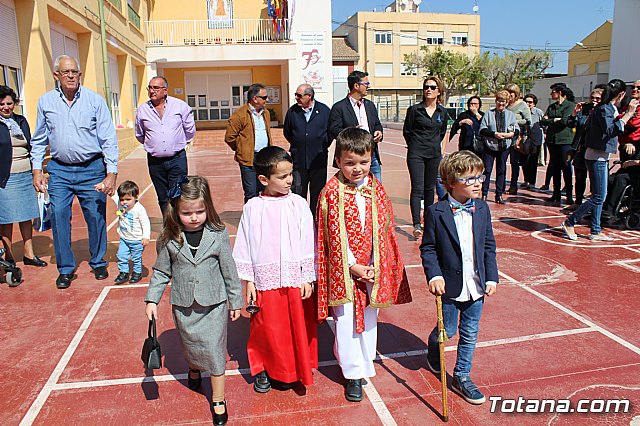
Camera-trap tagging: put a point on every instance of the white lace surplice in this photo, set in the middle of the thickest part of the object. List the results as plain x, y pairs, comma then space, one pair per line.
274, 247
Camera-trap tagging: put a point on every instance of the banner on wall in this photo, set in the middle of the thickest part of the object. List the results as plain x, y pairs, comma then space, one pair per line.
312, 59
220, 13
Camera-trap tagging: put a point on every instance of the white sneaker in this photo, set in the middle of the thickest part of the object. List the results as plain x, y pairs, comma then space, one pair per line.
600, 237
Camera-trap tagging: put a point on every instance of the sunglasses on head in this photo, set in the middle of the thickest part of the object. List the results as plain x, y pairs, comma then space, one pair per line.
430, 87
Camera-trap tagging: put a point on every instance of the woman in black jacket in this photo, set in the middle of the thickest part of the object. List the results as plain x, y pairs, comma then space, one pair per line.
468, 123
425, 127
18, 203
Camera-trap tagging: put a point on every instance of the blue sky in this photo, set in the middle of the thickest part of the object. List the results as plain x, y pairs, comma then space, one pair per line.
516, 24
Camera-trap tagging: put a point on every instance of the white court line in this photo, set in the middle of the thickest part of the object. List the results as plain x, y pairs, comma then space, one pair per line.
39, 402
573, 314
539, 235
379, 357
112, 224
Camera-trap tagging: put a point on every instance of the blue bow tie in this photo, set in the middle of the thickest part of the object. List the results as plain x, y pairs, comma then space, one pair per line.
469, 206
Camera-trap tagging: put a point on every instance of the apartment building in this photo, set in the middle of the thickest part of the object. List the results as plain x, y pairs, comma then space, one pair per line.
381, 40
212, 50
37, 31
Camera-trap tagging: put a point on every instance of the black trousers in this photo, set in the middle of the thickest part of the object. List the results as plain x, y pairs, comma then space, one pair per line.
309, 181
165, 172
561, 168
529, 163
500, 158
423, 173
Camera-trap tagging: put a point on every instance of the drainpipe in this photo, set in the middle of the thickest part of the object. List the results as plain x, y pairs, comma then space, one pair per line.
105, 55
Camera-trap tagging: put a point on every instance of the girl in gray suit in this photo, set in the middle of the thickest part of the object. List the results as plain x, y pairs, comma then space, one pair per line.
195, 255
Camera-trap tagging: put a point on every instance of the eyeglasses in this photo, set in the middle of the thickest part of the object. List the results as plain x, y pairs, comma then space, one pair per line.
472, 180
529, 102
636, 87
264, 98
554, 91
156, 88
299, 95
596, 98
364, 83
430, 87
474, 103
67, 73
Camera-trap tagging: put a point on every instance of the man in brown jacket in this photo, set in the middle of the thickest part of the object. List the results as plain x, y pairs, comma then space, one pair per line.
247, 133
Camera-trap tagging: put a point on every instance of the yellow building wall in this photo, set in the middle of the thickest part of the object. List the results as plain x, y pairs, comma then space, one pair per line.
268, 75
166, 10
82, 18
596, 47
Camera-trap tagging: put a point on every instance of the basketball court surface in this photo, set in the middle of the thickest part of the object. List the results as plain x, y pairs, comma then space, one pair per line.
562, 326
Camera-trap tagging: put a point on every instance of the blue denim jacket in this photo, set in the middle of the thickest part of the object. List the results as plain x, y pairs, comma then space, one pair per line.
603, 129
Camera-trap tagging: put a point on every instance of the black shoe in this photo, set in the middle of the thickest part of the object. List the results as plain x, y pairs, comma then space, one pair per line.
262, 383
544, 188
122, 278
220, 419
353, 391
194, 384
36, 261
63, 281
135, 277
500, 200
513, 190
101, 273
570, 200
554, 199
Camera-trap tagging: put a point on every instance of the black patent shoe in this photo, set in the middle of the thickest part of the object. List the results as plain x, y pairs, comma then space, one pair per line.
500, 200
101, 273
135, 277
36, 261
194, 384
63, 281
122, 278
353, 391
262, 384
220, 419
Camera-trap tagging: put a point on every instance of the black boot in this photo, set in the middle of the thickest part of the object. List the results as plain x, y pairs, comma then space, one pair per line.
353, 391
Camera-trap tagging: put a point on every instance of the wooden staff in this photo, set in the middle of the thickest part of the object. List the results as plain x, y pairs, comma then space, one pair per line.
442, 337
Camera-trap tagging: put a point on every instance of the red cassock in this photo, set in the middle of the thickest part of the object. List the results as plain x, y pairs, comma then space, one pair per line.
340, 229
282, 337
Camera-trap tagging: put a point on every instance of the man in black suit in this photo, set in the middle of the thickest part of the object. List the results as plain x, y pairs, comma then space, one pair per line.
305, 128
356, 111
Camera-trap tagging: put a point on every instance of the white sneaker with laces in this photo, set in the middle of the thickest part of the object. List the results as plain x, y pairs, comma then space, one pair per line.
600, 237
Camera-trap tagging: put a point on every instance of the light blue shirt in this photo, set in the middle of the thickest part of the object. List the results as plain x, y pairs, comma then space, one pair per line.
76, 132
308, 111
260, 126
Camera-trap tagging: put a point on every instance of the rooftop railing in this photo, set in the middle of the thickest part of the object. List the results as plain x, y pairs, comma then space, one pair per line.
213, 32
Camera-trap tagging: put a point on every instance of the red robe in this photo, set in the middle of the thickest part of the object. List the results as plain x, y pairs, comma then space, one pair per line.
339, 229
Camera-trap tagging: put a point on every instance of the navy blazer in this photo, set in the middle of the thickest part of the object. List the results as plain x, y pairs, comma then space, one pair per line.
603, 129
441, 252
343, 116
308, 139
6, 149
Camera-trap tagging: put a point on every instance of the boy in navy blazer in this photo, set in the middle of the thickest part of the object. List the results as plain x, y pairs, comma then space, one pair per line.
459, 260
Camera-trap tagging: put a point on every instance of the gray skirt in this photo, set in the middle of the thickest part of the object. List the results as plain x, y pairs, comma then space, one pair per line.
18, 200
203, 332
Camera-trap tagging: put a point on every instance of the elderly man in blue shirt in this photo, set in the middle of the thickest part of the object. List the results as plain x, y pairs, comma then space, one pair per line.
76, 125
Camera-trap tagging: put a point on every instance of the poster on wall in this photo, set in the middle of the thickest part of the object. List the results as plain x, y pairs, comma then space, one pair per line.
312, 60
220, 13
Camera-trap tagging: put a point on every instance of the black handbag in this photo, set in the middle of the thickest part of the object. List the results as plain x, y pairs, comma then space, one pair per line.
151, 353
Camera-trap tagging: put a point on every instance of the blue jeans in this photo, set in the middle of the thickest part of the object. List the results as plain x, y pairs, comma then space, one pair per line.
376, 168
250, 183
470, 313
130, 248
65, 182
599, 175
165, 172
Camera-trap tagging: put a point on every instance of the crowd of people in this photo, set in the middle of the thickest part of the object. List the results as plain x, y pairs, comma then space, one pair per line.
302, 261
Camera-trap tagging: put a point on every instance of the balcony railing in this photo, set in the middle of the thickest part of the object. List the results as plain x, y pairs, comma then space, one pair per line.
210, 32
134, 18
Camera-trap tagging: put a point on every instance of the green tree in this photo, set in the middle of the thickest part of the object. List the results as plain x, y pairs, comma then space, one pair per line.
460, 72
521, 67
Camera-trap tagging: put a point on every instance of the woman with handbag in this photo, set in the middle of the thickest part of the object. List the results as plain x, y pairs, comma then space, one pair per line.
425, 129
468, 123
499, 129
521, 148
18, 202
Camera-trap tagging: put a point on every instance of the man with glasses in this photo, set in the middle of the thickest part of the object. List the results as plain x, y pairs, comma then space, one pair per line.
75, 123
164, 125
305, 128
247, 133
356, 111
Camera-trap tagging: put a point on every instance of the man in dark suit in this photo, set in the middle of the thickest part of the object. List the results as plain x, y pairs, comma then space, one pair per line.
356, 111
305, 128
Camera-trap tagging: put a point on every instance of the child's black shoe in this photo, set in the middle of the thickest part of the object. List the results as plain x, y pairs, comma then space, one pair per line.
465, 387
122, 278
135, 277
262, 383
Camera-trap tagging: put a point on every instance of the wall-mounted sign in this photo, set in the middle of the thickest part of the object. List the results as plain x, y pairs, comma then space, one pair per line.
274, 94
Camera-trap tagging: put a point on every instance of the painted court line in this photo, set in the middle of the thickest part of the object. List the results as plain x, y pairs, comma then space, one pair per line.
573, 314
112, 224
39, 402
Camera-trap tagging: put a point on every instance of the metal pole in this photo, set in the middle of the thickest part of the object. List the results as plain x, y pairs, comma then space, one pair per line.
105, 55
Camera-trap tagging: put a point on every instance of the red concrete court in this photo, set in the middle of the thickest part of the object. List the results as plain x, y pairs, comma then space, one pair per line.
563, 325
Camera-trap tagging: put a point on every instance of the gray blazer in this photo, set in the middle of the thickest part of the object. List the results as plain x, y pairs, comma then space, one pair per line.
209, 278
